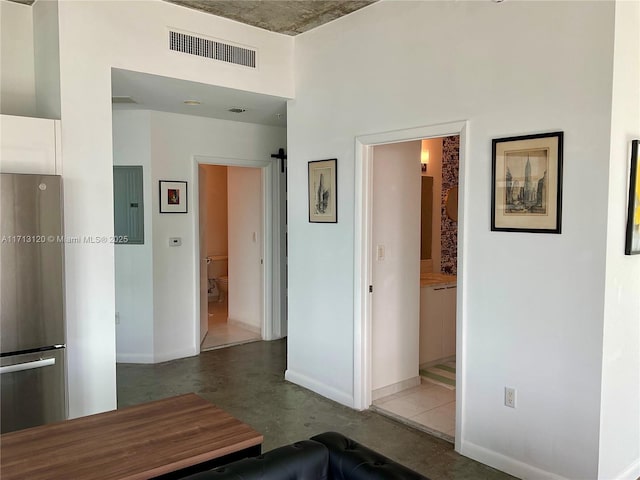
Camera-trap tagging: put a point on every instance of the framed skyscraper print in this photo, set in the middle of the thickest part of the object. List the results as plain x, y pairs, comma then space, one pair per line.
632, 244
526, 183
323, 191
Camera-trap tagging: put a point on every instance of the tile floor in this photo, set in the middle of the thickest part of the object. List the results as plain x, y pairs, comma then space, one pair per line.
428, 407
221, 333
248, 382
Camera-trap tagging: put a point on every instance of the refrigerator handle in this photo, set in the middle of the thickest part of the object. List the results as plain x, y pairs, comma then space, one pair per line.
27, 365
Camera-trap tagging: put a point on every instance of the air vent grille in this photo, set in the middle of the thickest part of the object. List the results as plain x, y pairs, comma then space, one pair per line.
203, 47
122, 100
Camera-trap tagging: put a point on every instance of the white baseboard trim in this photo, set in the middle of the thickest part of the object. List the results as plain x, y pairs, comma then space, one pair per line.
157, 358
246, 326
319, 387
630, 473
506, 464
134, 358
160, 357
395, 388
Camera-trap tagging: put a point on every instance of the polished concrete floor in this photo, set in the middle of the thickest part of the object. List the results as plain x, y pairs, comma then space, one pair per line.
248, 382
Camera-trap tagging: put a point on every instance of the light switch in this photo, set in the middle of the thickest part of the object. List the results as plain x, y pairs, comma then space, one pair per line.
380, 253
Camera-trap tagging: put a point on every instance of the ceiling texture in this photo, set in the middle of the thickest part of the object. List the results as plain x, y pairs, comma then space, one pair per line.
290, 17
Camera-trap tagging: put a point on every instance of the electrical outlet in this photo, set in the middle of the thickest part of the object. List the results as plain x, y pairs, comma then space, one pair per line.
510, 397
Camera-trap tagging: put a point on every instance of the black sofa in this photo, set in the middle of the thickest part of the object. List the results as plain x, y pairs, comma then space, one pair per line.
328, 456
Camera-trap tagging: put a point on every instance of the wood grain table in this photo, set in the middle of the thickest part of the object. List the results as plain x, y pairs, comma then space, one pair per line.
184, 433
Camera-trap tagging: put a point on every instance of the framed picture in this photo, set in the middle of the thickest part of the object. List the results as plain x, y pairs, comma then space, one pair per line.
632, 245
173, 197
526, 183
323, 192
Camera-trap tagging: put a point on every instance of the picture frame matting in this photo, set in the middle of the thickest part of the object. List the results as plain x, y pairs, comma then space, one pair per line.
323, 191
173, 196
526, 183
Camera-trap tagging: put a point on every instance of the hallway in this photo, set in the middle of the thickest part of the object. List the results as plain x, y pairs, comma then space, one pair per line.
248, 382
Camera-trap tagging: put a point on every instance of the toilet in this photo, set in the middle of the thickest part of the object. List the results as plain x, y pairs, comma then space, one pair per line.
223, 287
217, 277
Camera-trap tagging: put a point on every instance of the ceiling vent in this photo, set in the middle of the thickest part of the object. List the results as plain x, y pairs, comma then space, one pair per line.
122, 100
237, 110
203, 47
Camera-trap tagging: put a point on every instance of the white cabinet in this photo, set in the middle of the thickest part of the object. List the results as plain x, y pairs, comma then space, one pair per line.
29, 145
437, 322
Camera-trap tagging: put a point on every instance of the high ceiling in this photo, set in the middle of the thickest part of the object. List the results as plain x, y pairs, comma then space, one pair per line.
133, 90
290, 17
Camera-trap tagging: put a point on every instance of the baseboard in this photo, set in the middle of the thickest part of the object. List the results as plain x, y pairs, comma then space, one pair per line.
246, 326
504, 463
395, 388
176, 354
319, 387
154, 358
134, 358
425, 365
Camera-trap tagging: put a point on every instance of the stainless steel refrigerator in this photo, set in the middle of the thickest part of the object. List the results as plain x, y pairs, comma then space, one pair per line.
32, 332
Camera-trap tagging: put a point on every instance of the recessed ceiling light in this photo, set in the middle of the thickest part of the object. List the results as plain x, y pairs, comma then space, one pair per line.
192, 102
237, 110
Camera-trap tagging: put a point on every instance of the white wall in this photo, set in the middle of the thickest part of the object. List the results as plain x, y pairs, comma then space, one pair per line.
175, 139
620, 417
508, 68
245, 246
46, 58
29, 145
161, 323
133, 35
17, 78
134, 263
396, 277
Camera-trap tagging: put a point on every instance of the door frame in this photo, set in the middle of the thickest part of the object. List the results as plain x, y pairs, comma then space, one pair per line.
271, 278
364, 250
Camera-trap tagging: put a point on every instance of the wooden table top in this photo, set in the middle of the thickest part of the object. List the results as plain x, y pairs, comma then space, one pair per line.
137, 442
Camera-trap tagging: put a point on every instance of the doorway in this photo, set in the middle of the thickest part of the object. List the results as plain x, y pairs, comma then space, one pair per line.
252, 258
367, 387
414, 228
231, 237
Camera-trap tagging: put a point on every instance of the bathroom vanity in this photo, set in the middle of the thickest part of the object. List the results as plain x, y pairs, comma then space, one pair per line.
437, 317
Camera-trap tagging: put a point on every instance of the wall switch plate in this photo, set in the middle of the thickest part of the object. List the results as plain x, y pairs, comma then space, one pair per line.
117, 318
380, 253
510, 397
175, 241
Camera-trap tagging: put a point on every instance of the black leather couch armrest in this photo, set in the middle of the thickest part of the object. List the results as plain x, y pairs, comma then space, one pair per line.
349, 460
305, 460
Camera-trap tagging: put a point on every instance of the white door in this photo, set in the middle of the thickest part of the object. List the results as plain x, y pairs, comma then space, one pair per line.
202, 202
395, 248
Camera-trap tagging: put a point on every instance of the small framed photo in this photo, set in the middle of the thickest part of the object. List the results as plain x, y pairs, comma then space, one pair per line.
173, 196
323, 191
526, 183
632, 244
